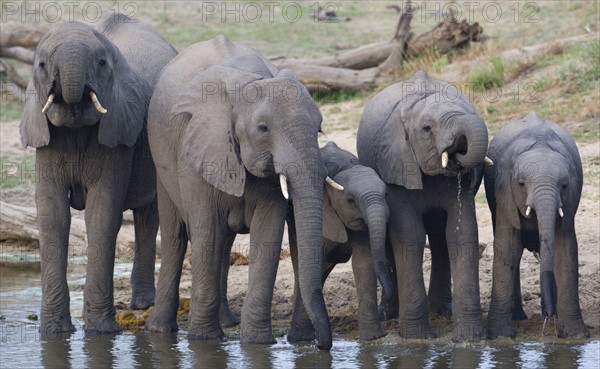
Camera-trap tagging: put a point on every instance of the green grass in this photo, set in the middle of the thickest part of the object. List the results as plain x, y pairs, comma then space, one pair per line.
488, 77
335, 96
16, 172
578, 64
10, 110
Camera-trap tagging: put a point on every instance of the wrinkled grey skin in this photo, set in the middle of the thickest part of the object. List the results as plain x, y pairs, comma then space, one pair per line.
91, 161
402, 134
537, 165
223, 124
354, 223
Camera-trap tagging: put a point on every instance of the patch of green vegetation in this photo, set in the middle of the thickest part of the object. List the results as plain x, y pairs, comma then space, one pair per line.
10, 110
579, 64
586, 133
15, 172
488, 77
335, 96
480, 198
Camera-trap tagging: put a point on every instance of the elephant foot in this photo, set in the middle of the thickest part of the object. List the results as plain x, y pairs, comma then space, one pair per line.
104, 325
142, 300
253, 334
371, 332
416, 330
160, 323
444, 310
518, 313
472, 332
573, 331
497, 330
227, 317
56, 329
209, 332
387, 311
304, 333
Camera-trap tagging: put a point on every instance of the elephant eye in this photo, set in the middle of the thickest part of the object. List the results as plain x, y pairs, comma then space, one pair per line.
263, 127
102, 62
427, 128
564, 186
351, 201
42, 65
521, 182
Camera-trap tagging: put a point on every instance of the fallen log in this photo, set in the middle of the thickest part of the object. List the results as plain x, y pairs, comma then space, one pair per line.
24, 36
12, 75
18, 53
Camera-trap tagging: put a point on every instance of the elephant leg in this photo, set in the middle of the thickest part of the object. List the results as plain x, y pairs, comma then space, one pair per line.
266, 232
226, 315
440, 285
407, 236
388, 309
463, 250
54, 221
517, 308
174, 239
566, 263
142, 276
103, 216
365, 280
507, 250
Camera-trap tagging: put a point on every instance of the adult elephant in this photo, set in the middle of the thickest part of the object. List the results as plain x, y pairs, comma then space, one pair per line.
427, 143
354, 224
537, 176
86, 116
229, 134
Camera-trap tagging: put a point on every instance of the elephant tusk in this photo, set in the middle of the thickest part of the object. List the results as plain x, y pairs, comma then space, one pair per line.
284, 188
488, 161
334, 184
444, 159
97, 104
48, 103
528, 211
560, 212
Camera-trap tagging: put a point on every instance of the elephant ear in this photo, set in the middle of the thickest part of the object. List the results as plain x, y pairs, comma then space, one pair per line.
209, 144
34, 125
388, 150
127, 106
333, 228
505, 202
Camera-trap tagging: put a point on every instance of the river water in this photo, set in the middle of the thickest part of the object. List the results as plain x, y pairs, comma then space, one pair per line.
21, 347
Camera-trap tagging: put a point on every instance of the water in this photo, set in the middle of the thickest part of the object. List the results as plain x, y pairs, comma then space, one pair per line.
21, 347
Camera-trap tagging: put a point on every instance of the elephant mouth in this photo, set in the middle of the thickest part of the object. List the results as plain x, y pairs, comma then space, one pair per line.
358, 224
84, 113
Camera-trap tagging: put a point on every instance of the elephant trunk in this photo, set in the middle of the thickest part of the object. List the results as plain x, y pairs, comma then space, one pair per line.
376, 216
545, 205
73, 73
306, 185
475, 133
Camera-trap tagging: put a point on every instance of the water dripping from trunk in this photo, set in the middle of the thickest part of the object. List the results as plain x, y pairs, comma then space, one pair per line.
459, 189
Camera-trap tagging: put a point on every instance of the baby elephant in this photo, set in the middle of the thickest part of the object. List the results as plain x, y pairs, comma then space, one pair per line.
533, 191
354, 223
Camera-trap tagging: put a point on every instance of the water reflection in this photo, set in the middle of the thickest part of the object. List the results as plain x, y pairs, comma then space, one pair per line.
21, 347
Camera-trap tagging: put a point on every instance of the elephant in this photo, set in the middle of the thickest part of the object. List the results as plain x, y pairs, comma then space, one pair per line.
425, 140
354, 224
537, 176
232, 137
85, 114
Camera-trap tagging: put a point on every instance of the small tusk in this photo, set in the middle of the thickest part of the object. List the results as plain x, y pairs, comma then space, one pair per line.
444, 159
48, 103
97, 104
334, 184
488, 161
284, 188
560, 212
528, 211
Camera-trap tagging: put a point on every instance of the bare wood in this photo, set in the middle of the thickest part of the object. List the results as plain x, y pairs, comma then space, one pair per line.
400, 43
19, 53
25, 36
317, 77
12, 75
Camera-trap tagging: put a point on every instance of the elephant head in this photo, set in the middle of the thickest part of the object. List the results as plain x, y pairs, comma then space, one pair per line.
80, 79
538, 178
245, 116
360, 206
420, 126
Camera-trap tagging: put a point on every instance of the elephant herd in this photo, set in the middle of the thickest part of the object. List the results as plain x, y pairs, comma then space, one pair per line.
215, 141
